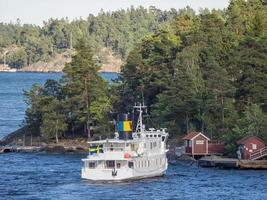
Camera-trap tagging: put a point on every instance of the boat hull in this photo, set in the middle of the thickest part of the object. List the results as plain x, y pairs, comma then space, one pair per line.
121, 175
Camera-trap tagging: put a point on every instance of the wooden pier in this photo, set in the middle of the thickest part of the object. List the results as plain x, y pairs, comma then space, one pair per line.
214, 161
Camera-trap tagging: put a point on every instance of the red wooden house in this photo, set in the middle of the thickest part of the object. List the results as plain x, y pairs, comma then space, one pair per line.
249, 145
196, 144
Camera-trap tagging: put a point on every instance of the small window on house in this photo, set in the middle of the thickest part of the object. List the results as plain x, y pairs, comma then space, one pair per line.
150, 145
190, 143
199, 141
254, 146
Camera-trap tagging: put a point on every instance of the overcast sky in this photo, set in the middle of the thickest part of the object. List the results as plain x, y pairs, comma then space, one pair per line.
36, 11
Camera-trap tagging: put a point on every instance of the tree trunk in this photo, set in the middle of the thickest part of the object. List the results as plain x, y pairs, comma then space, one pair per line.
87, 107
187, 122
56, 132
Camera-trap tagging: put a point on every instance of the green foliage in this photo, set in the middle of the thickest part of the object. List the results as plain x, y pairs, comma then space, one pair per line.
252, 122
84, 87
53, 120
203, 73
78, 102
119, 31
17, 59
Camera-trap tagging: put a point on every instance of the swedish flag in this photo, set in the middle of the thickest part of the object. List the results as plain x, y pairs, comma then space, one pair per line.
125, 126
96, 149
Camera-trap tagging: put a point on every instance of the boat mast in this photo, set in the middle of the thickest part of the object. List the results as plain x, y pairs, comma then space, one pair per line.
139, 125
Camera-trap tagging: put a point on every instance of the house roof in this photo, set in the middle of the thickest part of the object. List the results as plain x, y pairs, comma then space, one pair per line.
193, 135
245, 139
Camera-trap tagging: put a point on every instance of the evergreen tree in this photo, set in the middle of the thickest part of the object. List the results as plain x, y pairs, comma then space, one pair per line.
84, 87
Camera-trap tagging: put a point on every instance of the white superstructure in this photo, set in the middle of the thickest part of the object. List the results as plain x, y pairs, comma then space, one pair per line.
116, 159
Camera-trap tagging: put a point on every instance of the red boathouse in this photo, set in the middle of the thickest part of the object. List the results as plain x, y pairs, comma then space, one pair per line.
196, 144
249, 145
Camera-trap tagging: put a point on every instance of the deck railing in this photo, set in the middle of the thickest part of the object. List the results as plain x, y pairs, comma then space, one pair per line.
258, 154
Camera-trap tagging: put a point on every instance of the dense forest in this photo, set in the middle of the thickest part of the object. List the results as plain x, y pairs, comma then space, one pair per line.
119, 31
205, 72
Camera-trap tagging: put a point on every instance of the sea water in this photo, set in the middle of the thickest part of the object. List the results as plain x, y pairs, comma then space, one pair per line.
28, 176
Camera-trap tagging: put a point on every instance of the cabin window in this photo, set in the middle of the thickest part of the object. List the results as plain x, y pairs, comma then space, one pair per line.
142, 164
159, 135
155, 135
146, 135
151, 135
163, 138
91, 165
150, 145
110, 164
130, 165
154, 144
148, 163
118, 165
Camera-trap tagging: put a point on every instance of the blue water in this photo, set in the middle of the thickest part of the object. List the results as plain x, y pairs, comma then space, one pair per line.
57, 176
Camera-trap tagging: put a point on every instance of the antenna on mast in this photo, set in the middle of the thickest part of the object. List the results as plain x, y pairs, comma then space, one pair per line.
139, 125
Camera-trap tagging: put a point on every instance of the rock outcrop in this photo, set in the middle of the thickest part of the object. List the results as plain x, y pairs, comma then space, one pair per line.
108, 61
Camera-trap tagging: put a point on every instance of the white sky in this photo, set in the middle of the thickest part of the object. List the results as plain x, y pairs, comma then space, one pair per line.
37, 11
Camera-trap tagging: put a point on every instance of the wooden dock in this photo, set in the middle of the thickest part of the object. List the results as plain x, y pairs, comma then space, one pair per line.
214, 161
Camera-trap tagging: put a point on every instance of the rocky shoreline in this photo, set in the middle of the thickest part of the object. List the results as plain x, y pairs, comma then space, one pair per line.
21, 141
109, 63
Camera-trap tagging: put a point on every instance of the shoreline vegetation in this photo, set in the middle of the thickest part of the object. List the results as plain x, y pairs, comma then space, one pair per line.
202, 72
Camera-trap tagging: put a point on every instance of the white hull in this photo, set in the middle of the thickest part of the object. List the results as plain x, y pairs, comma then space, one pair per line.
122, 174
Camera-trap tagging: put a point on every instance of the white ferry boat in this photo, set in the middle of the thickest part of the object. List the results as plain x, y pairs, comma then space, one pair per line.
130, 155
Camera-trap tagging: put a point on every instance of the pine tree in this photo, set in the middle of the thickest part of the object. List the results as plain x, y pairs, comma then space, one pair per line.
83, 86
